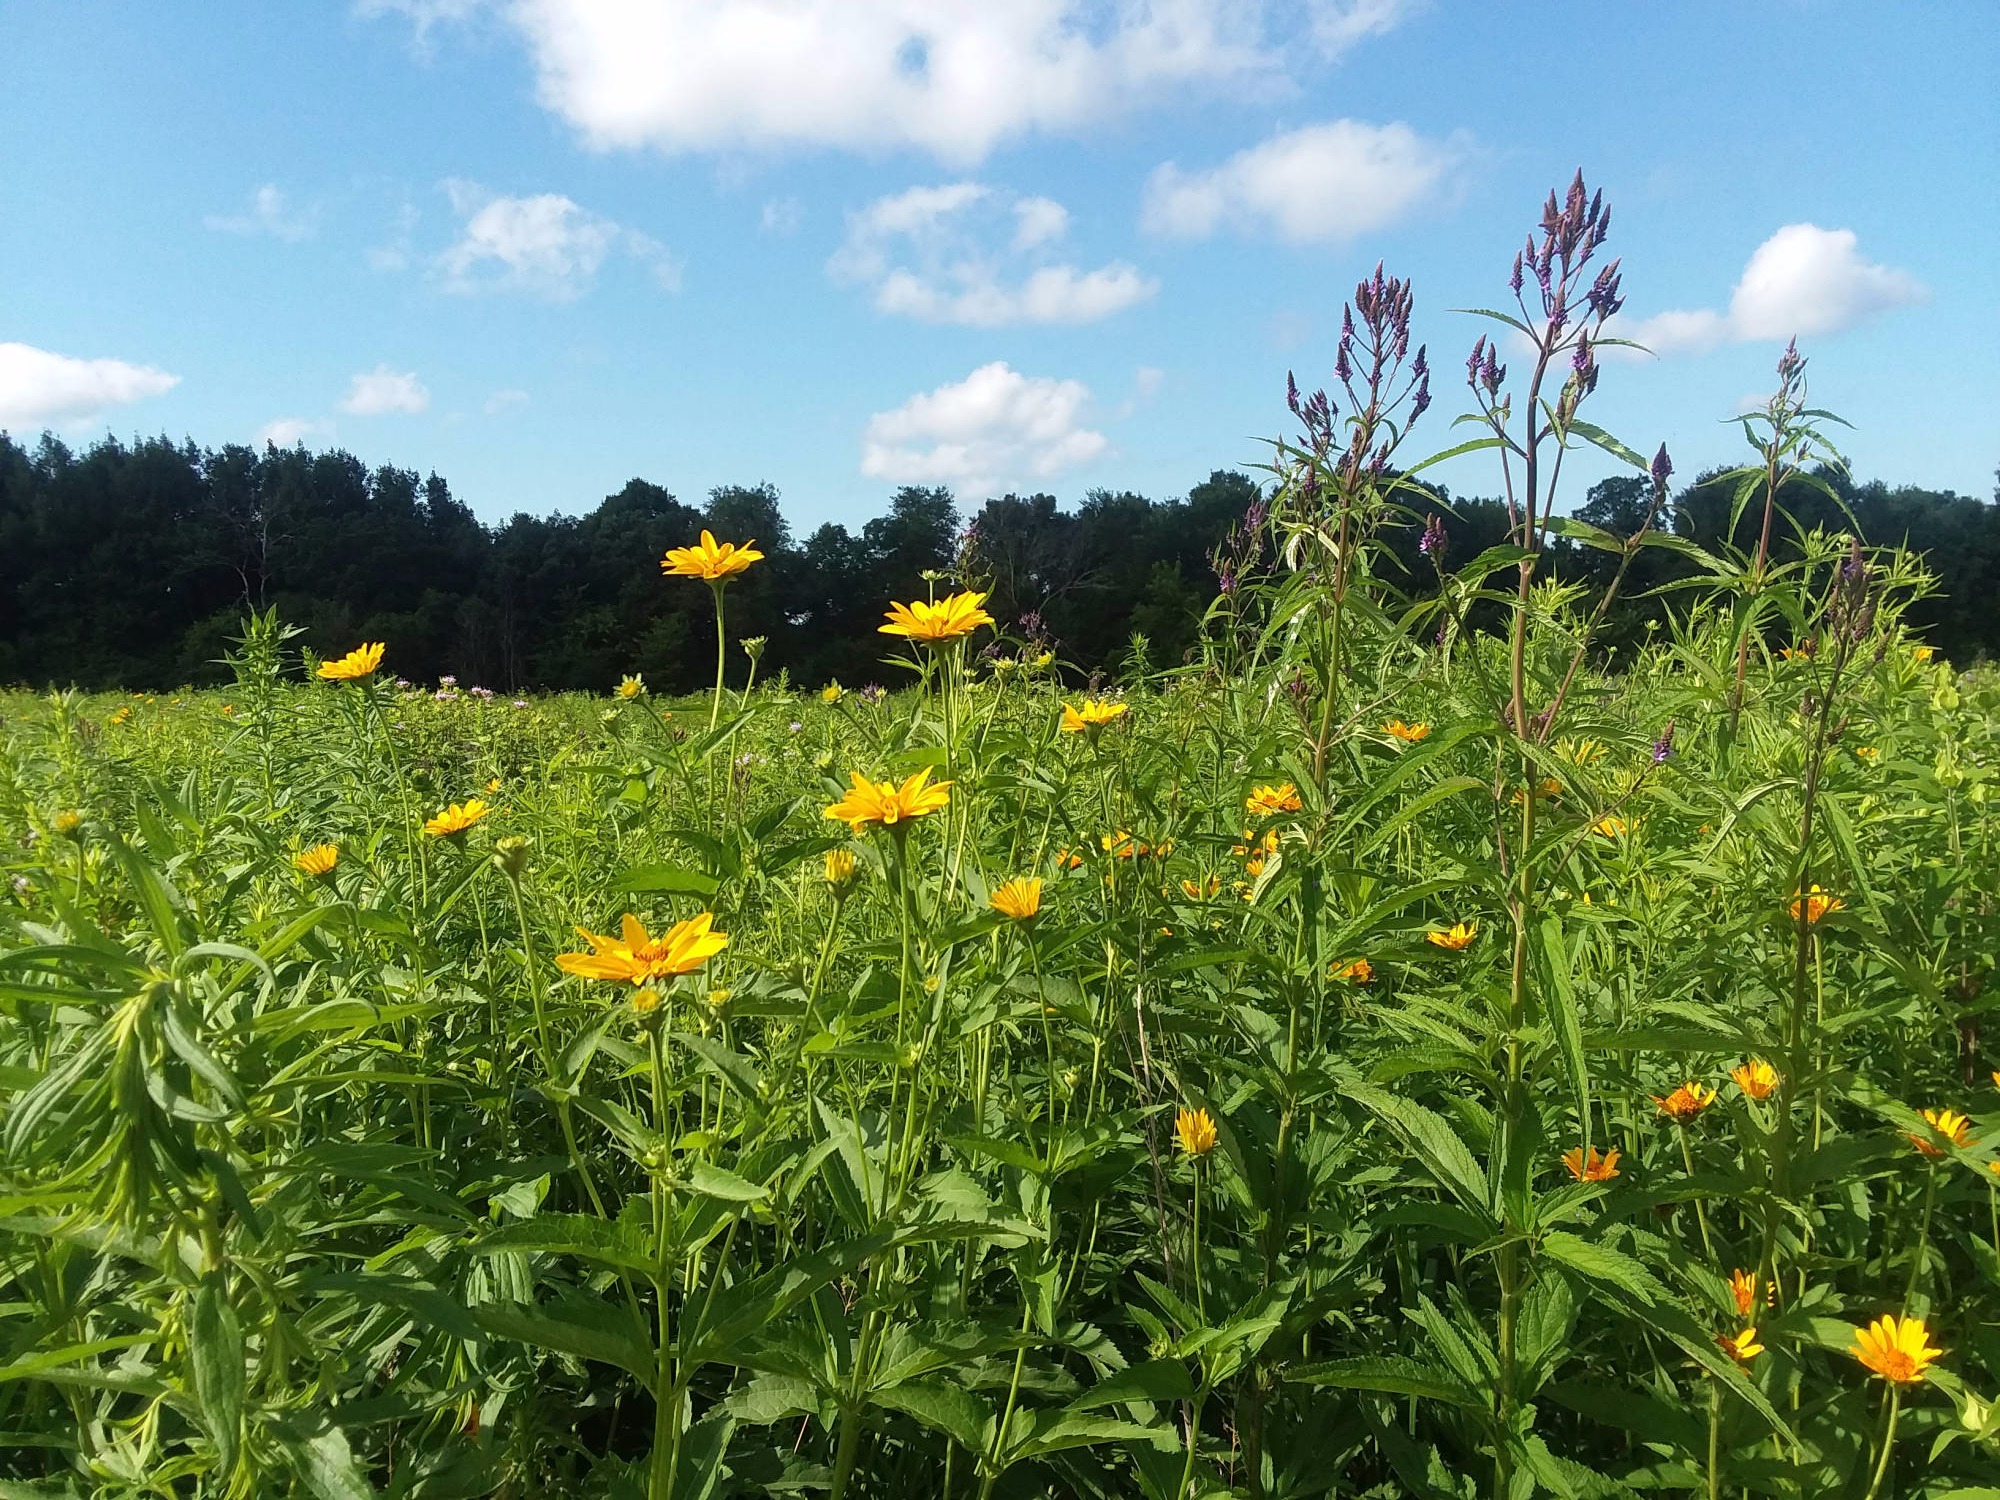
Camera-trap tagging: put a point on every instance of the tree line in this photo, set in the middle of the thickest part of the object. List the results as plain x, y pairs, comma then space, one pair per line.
132, 564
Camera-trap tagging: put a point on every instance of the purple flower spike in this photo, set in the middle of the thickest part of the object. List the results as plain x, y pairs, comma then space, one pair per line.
1664, 745
1663, 468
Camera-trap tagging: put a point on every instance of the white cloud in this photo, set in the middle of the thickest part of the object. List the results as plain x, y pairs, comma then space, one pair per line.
994, 428
950, 77
383, 390
1802, 282
501, 401
1321, 184
283, 432
268, 214
545, 245
782, 215
421, 14
925, 252
37, 386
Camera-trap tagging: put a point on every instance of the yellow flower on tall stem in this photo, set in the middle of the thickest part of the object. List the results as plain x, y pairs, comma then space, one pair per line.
1896, 1348
715, 563
1019, 900
1686, 1102
634, 957
1270, 801
1601, 1166
842, 868
362, 661
457, 818
1195, 1131
1742, 1347
1409, 734
935, 624
632, 686
1949, 1124
1743, 1290
1814, 904
884, 804
1454, 938
1356, 971
317, 861
1610, 827
1092, 717
1757, 1078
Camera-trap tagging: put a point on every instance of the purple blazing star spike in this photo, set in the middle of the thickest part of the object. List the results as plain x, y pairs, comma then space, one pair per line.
1663, 468
1420, 366
1664, 745
1343, 371
1292, 392
1434, 541
1472, 360
1226, 582
1514, 281
1789, 363
1423, 401
1255, 514
1347, 313
1581, 361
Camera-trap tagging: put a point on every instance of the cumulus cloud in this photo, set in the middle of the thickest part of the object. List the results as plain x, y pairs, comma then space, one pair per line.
947, 254
951, 77
268, 213
1322, 184
283, 432
1803, 281
37, 386
544, 245
382, 391
994, 428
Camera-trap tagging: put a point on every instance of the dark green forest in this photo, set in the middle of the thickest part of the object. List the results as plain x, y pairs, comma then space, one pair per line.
131, 565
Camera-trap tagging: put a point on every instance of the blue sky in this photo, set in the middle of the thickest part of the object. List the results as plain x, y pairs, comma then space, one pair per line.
542, 246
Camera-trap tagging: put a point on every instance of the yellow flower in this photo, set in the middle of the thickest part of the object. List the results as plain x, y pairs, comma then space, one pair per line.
830, 693
1456, 937
710, 559
1896, 1348
1579, 752
841, 868
1119, 845
1196, 1131
1950, 1124
1756, 1078
1866, 752
632, 685
1922, 653
1798, 653
885, 804
1548, 787
122, 715
645, 1002
1610, 827
1357, 970
1601, 1167
456, 818
634, 958
1197, 890
492, 783
1094, 715
1685, 1102
1269, 801
1815, 903
1408, 733
361, 662
1996, 1078
953, 616
1068, 859
1019, 899
68, 823
318, 860
1743, 1288
1742, 1347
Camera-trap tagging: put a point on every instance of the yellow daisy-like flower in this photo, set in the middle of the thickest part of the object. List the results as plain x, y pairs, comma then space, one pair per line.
1068, 859
1195, 1129
884, 804
841, 868
1814, 904
1409, 734
1454, 938
632, 685
1201, 890
1094, 715
68, 823
635, 958
1896, 1348
318, 860
831, 693
1019, 900
1685, 1102
1948, 1123
953, 616
456, 818
1922, 654
1743, 1290
362, 661
1610, 827
1601, 1166
1756, 1078
709, 559
1269, 801
492, 784
1742, 1347
1866, 752
1356, 971
122, 715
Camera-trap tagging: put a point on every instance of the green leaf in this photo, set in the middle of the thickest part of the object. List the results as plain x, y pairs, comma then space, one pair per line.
582, 1327
666, 879
1151, 1380
1434, 1143
951, 1409
1593, 433
716, 1182
327, 1466
215, 1342
1394, 1373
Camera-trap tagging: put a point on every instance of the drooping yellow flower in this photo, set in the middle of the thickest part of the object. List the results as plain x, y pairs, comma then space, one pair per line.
1454, 938
1948, 1123
884, 804
1195, 1129
1742, 1347
1756, 1078
456, 818
632, 685
1408, 733
1743, 1289
1269, 801
841, 868
1610, 827
709, 559
1356, 971
1094, 715
830, 693
1896, 1348
1201, 890
953, 616
634, 958
1685, 1102
361, 662
1602, 1166
1814, 904
1019, 900
318, 860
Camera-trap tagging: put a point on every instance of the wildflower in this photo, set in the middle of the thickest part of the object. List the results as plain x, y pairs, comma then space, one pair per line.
1201, 890
1068, 859
1610, 827
1799, 653
1409, 734
1756, 1078
717, 998
1119, 845
1686, 1102
1663, 747
359, 663
1019, 900
634, 958
1949, 1124
1742, 1347
708, 559
874, 695
830, 693
1743, 1288
69, 824
1814, 904
1093, 716
949, 618
1547, 787
1195, 1129
1896, 1348
317, 861
1601, 1166
645, 1003
1269, 801
122, 715
1454, 938
456, 818
885, 804
492, 784
633, 685
510, 856
841, 869
1922, 654
1356, 971
1866, 752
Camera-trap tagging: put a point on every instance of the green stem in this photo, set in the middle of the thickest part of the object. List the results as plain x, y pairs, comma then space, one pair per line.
1888, 1441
